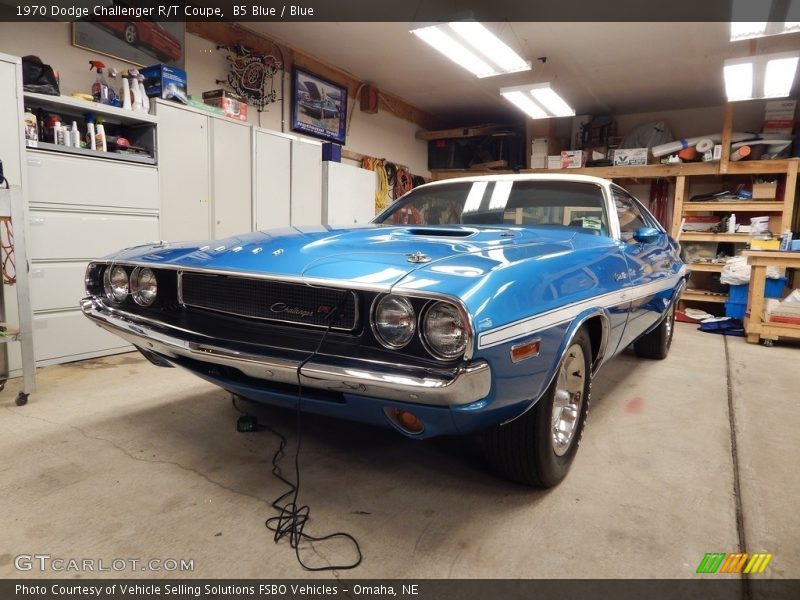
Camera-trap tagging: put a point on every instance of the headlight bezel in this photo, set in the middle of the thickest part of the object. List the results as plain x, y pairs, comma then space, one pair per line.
136, 290
376, 304
465, 326
108, 286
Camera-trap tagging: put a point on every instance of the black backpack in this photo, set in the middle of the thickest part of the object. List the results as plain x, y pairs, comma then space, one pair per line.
38, 77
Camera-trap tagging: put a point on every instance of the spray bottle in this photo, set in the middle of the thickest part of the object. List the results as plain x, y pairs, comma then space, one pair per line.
126, 94
90, 131
145, 99
100, 138
100, 87
75, 135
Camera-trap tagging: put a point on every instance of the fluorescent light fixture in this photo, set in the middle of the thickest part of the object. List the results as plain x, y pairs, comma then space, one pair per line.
538, 101
746, 31
779, 77
472, 46
738, 81
765, 76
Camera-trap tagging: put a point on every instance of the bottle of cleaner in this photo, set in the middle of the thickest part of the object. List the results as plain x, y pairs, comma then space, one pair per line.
126, 94
732, 223
31, 128
100, 87
90, 136
75, 135
137, 95
59, 133
145, 99
100, 138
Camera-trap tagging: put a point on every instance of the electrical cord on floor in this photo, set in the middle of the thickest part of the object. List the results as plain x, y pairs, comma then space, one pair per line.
292, 517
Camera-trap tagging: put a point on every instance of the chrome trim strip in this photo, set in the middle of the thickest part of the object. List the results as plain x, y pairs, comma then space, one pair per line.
356, 314
416, 385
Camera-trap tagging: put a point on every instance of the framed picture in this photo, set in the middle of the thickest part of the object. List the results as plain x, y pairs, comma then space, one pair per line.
140, 42
319, 107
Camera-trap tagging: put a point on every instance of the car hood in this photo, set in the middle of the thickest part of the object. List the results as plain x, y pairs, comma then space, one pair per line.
362, 256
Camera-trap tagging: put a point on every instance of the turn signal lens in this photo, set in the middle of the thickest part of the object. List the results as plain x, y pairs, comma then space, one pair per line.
408, 422
526, 350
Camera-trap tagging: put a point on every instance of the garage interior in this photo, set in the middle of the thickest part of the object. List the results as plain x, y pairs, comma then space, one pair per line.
111, 457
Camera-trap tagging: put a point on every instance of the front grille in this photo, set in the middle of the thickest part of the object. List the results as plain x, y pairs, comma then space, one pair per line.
270, 300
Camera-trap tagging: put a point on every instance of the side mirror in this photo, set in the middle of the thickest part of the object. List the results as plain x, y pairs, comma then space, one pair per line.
646, 235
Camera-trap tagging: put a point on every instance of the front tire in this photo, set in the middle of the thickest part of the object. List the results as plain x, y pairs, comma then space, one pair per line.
656, 344
538, 448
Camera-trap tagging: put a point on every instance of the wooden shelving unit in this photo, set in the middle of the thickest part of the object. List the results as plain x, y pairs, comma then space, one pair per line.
781, 210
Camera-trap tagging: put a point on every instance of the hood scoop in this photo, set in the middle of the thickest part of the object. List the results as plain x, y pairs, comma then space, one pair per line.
440, 232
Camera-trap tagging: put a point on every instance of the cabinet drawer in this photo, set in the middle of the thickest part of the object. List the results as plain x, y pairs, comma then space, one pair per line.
55, 179
57, 286
69, 333
85, 236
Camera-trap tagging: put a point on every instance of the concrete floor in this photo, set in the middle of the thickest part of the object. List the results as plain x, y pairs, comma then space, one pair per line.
114, 458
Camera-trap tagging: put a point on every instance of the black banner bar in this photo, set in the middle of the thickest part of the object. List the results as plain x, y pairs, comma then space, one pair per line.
710, 588
410, 11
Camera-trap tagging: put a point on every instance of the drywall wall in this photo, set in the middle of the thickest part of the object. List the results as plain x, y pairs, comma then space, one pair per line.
381, 135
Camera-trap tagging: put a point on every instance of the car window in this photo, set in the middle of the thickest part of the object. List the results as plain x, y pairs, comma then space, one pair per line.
630, 216
540, 203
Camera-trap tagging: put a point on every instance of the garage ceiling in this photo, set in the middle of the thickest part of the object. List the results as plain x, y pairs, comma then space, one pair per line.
597, 67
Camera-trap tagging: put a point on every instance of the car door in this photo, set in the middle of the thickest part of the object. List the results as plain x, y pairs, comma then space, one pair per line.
647, 261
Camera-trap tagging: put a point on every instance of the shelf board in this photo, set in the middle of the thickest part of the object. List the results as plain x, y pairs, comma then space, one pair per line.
703, 296
126, 117
711, 267
696, 236
87, 152
756, 167
734, 206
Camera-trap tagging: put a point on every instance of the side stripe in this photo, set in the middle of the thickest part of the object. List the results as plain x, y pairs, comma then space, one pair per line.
506, 333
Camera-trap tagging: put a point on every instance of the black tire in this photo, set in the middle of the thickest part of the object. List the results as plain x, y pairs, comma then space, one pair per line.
524, 450
22, 399
656, 344
131, 34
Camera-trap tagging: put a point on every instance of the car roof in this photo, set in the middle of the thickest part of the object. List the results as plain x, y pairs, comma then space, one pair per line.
528, 177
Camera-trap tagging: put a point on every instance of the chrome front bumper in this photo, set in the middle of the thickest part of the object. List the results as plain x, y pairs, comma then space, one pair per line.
438, 387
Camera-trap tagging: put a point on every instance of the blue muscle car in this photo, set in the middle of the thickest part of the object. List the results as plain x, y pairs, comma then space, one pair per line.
482, 304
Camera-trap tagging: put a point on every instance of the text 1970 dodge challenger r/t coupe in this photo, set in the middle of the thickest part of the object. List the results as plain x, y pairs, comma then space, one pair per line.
482, 304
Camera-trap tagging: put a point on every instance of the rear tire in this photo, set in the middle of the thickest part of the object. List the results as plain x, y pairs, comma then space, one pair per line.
538, 448
656, 344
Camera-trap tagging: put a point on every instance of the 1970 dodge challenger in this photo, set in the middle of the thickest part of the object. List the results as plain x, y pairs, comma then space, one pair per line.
483, 304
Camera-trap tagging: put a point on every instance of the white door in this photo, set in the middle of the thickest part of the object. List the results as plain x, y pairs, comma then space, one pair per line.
183, 168
306, 183
232, 180
272, 180
348, 194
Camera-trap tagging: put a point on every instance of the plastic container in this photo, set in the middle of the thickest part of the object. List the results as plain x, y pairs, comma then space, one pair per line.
735, 310
773, 288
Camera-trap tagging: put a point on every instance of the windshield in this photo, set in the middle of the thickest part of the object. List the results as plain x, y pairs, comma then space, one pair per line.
539, 203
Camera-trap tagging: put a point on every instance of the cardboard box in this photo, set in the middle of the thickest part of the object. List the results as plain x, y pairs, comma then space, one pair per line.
539, 152
701, 223
573, 159
780, 110
232, 104
626, 157
163, 81
776, 127
554, 161
765, 191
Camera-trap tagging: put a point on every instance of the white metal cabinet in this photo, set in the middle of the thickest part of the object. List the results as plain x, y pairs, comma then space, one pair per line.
272, 179
68, 335
57, 285
306, 183
348, 194
184, 177
232, 205
76, 180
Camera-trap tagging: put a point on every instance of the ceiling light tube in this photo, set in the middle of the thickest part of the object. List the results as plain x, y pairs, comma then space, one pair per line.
490, 46
779, 76
738, 80
547, 97
472, 46
525, 103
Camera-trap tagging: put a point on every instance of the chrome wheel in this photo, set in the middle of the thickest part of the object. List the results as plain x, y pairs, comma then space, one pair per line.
568, 399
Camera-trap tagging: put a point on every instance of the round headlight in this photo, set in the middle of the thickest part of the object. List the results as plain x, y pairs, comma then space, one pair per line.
394, 321
115, 283
143, 286
444, 330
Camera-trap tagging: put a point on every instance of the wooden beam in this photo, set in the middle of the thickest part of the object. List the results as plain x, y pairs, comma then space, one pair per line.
228, 34
727, 127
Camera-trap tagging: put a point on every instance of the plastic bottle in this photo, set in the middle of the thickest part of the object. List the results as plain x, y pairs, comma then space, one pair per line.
145, 99
59, 133
126, 94
137, 95
100, 138
786, 240
31, 127
90, 135
66, 136
732, 223
100, 86
75, 135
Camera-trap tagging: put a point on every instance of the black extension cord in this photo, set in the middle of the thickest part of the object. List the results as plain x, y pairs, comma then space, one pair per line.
292, 517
